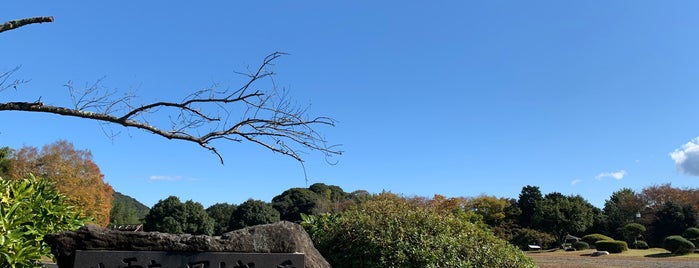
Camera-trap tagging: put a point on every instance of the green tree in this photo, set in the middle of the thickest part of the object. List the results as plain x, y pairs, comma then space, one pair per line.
5, 161
164, 216
672, 219
252, 212
196, 220
491, 208
560, 215
360, 196
29, 209
599, 222
221, 214
528, 200
622, 208
172, 216
632, 232
291, 203
512, 211
331, 197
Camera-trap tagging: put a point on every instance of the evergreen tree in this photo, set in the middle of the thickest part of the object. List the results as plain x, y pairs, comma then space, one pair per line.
252, 212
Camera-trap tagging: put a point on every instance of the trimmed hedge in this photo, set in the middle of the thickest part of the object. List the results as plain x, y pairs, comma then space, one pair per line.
640, 245
581, 245
678, 245
612, 246
692, 234
591, 239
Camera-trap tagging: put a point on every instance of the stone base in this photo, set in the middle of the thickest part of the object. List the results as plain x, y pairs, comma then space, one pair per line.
282, 237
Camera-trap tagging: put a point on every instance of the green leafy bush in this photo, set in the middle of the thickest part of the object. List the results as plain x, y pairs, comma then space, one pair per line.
612, 246
640, 244
29, 209
633, 231
523, 237
678, 245
692, 234
389, 231
581, 245
593, 238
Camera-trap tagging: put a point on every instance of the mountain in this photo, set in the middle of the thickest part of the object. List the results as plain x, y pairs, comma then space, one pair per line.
127, 210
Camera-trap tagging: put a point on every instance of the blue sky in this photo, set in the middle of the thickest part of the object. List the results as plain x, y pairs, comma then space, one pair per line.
458, 98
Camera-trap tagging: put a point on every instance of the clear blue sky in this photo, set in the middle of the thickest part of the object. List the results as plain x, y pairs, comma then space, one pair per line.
458, 98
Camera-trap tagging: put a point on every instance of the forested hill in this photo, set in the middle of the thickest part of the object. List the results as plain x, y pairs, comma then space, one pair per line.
127, 210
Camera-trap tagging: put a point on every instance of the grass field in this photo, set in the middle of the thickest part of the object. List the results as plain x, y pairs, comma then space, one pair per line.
650, 258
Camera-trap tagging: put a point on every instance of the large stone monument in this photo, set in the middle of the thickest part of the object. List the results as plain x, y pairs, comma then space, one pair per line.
282, 244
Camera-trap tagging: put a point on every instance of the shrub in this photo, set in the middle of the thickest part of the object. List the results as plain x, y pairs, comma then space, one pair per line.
581, 245
524, 237
388, 231
633, 231
691, 234
29, 209
640, 245
678, 245
612, 246
593, 238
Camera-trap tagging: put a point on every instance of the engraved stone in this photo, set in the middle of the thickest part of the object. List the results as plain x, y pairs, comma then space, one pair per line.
281, 237
151, 259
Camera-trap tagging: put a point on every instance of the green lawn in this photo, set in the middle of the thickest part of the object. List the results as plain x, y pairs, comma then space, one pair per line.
650, 253
656, 253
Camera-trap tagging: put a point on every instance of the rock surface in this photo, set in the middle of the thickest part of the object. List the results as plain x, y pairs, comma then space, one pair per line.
282, 237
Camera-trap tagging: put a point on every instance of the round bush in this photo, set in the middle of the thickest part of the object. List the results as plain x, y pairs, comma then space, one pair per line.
692, 234
388, 231
678, 245
640, 245
612, 246
591, 239
581, 245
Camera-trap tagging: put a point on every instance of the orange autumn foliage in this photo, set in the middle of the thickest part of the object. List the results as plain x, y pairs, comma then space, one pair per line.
74, 173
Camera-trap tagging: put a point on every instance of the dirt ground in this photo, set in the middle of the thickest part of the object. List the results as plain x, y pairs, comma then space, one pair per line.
582, 259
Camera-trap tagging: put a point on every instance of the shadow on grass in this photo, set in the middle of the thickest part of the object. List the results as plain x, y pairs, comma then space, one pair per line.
541, 251
660, 255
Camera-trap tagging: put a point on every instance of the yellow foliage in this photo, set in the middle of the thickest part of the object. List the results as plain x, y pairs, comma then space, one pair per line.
74, 174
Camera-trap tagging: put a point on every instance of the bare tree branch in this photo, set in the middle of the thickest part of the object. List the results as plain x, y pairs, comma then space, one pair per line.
5, 81
14, 24
264, 117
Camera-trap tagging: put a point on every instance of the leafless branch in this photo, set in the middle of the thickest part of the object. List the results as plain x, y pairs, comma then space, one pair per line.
14, 24
6, 82
263, 117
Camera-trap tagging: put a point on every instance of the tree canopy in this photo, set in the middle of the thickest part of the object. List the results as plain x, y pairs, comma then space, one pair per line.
562, 215
221, 213
252, 212
527, 202
295, 201
74, 173
170, 215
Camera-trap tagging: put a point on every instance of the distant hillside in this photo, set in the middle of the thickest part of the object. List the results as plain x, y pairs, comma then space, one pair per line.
127, 210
